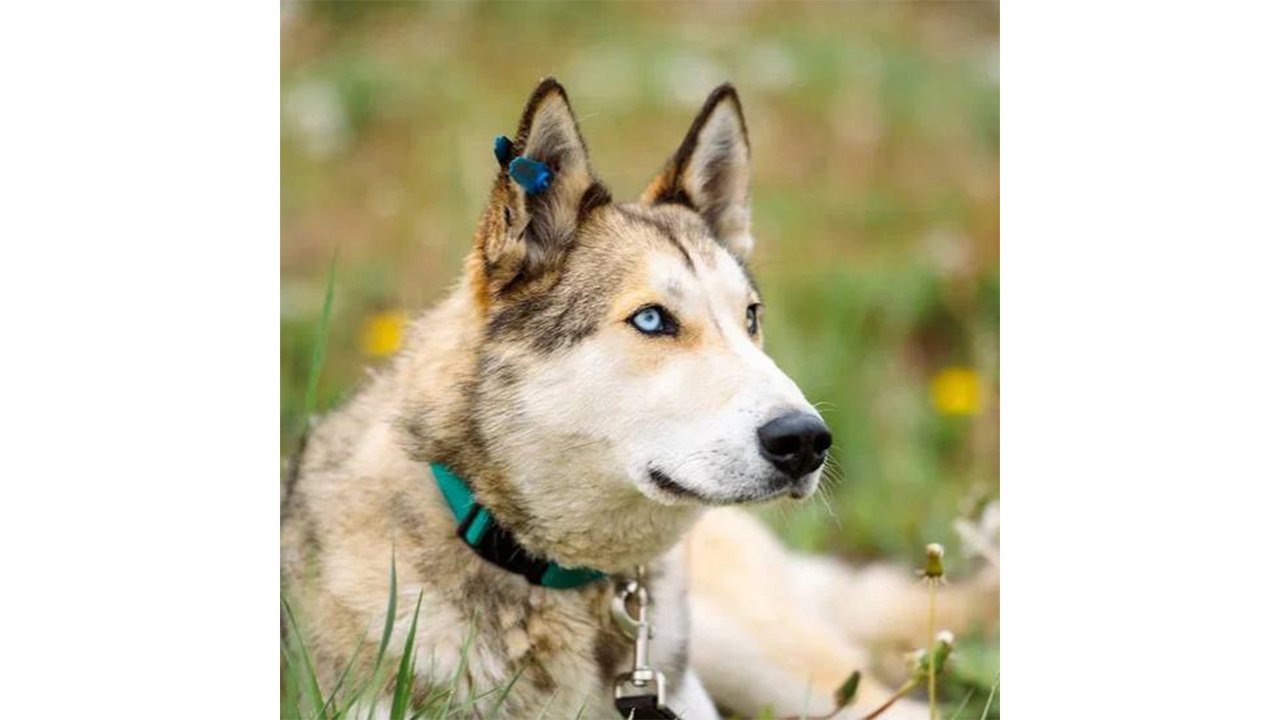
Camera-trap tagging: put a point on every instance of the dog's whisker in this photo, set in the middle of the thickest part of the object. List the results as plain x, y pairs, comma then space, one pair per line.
826, 503
835, 474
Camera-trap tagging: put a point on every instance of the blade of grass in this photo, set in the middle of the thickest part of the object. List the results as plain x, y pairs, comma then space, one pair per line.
367, 691
462, 664
991, 695
543, 713
430, 706
297, 694
310, 685
346, 671
318, 349
375, 677
391, 614
963, 703
493, 711
355, 694
473, 699
371, 691
404, 677
289, 686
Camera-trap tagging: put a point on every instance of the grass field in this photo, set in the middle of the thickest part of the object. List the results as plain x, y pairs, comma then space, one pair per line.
875, 139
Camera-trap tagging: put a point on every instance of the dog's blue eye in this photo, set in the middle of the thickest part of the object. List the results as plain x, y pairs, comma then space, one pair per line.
653, 320
753, 319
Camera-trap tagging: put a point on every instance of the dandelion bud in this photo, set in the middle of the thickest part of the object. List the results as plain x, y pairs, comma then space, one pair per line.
942, 647
933, 553
919, 660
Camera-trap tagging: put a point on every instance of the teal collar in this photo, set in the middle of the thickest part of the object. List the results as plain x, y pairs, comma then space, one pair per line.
479, 530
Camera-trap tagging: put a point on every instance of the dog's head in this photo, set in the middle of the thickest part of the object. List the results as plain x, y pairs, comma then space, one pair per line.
624, 340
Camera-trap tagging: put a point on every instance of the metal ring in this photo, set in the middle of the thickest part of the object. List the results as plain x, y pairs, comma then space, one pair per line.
629, 625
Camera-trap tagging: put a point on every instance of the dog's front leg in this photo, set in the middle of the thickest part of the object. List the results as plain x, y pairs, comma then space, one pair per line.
692, 701
793, 673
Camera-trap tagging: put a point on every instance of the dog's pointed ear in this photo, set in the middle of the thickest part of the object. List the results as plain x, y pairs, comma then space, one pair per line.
711, 171
544, 188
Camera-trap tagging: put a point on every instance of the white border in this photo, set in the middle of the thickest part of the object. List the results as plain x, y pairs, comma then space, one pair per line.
138, 280
1139, 363
139, 258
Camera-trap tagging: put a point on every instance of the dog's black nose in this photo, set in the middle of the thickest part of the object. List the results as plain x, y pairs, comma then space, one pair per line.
796, 443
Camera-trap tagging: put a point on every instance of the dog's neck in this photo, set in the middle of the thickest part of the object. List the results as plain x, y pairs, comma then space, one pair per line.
594, 526
579, 516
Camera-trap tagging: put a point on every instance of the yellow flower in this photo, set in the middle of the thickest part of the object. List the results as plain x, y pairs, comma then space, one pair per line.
382, 333
957, 391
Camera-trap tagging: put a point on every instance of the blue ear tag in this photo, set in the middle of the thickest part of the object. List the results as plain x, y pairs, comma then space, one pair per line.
502, 150
532, 175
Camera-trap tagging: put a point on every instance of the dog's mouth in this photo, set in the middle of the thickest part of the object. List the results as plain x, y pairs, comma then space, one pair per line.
670, 488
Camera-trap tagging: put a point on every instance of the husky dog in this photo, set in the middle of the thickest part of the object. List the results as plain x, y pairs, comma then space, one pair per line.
590, 396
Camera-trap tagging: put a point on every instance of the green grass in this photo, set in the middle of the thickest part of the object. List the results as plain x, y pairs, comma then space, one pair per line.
875, 141
356, 691
972, 669
318, 348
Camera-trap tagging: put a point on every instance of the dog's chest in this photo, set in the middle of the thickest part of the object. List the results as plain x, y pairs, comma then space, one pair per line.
566, 652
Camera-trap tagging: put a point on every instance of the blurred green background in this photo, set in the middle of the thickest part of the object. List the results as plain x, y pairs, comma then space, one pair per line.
875, 148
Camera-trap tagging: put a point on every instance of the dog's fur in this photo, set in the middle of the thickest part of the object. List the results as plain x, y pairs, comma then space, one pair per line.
596, 446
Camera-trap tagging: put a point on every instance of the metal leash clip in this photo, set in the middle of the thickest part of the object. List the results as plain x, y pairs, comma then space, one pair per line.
641, 693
